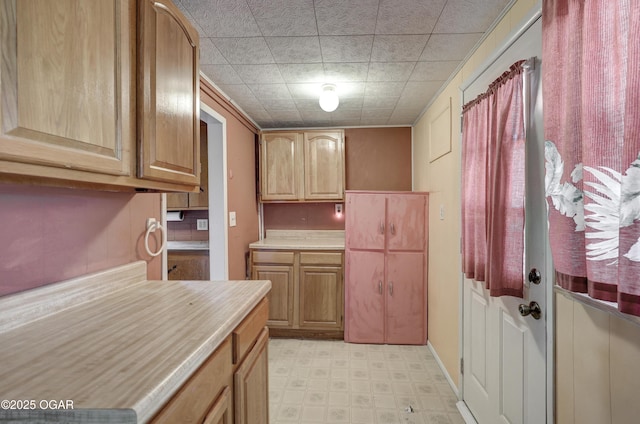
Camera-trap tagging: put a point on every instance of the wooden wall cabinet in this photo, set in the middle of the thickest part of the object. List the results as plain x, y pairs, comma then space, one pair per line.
307, 291
75, 102
188, 264
302, 166
386, 267
232, 385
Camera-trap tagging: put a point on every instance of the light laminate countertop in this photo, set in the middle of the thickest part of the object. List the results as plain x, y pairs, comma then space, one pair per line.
132, 347
187, 245
301, 240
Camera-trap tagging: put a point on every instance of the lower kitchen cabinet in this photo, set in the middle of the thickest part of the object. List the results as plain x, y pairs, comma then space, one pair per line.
307, 291
188, 264
250, 381
232, 385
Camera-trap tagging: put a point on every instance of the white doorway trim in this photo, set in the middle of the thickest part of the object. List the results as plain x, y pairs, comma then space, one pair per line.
218, 217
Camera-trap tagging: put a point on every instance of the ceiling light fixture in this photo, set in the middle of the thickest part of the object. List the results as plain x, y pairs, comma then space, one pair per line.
329, 98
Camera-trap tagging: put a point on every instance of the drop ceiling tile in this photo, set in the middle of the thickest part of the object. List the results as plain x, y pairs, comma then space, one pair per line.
373, 121
238, 92
221, 74
244, 51
223, 18
307, 105
378, 102
341, 72
354, 48
270, 91
350, 89
398, 48
339, 17
295, 49
433, 71
183, 8
390, 71
346, 113
339, 122
449, 46
408, 16
284, 17
273, 105
315, 114
416, 94
209, 53
286, 115
351, 102
383, 89
305, 90
302, 72
460, 16
259, 74
381, 114
258, 113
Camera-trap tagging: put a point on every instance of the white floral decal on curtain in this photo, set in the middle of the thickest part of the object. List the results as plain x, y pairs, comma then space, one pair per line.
615, 203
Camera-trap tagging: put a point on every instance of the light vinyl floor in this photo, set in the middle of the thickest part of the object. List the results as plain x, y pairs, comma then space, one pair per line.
317, 381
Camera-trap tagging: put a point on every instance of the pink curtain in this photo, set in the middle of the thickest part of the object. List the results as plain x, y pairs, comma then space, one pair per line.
591, 89
493, 185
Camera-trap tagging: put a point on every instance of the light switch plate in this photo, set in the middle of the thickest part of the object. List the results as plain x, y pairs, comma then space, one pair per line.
232, 219
441, 212
202, 224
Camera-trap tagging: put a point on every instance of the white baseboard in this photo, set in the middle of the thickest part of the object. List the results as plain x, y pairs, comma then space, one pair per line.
444, 370
466, 414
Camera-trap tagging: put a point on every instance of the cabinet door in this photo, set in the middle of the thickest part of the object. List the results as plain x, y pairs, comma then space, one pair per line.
188, 265
251, 384
281, 294
406, 222
321, 295
220, 412
405, 315
282, 166
364, 297
200, 199
168, 94
66, 84
323, 166
365, 221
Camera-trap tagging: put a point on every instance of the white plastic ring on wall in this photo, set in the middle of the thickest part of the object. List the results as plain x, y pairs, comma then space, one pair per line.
151, 228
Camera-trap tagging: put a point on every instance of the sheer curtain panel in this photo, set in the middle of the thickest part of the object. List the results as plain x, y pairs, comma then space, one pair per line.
493, 139
591, 86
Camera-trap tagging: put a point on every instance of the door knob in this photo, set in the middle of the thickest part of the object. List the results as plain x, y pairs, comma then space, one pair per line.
532, 309
534, 276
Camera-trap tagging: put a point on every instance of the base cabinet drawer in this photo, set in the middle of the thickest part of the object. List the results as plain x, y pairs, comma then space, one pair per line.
193, 401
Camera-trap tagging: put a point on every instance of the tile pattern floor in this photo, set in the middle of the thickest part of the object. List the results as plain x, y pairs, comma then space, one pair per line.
314, 381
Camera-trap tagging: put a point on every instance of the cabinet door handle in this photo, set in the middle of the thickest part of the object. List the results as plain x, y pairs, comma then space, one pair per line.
380, 286
381, 227
393, 229
391, 288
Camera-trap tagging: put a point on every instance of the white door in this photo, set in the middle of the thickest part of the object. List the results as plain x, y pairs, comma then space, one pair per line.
504, 353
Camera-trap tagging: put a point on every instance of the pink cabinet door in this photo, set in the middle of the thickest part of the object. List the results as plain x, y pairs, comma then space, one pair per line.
364, 297
405, 318
365, 223
406, 221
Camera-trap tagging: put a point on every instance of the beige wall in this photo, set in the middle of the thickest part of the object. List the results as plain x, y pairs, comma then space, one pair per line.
597, 374
441, 177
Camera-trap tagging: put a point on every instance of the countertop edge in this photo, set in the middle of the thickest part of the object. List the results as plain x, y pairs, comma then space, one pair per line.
149, 406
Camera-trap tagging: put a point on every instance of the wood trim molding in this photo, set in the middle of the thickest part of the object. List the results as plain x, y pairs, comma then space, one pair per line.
208, 91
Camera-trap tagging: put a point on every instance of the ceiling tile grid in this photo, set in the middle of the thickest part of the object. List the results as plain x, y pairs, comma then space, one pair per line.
387, 58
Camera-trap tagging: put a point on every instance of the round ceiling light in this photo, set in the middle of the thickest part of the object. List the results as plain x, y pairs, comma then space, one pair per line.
329, 98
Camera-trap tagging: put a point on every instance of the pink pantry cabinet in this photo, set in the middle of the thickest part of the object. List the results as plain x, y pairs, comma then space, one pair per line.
386, 267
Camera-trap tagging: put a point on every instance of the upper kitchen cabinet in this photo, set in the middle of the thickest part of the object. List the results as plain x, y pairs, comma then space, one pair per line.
66, 86
168, 95
302, 166
81, 81
281, 166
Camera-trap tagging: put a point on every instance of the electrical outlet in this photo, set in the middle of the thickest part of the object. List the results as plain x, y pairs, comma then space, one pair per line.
338, 208
202, 224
